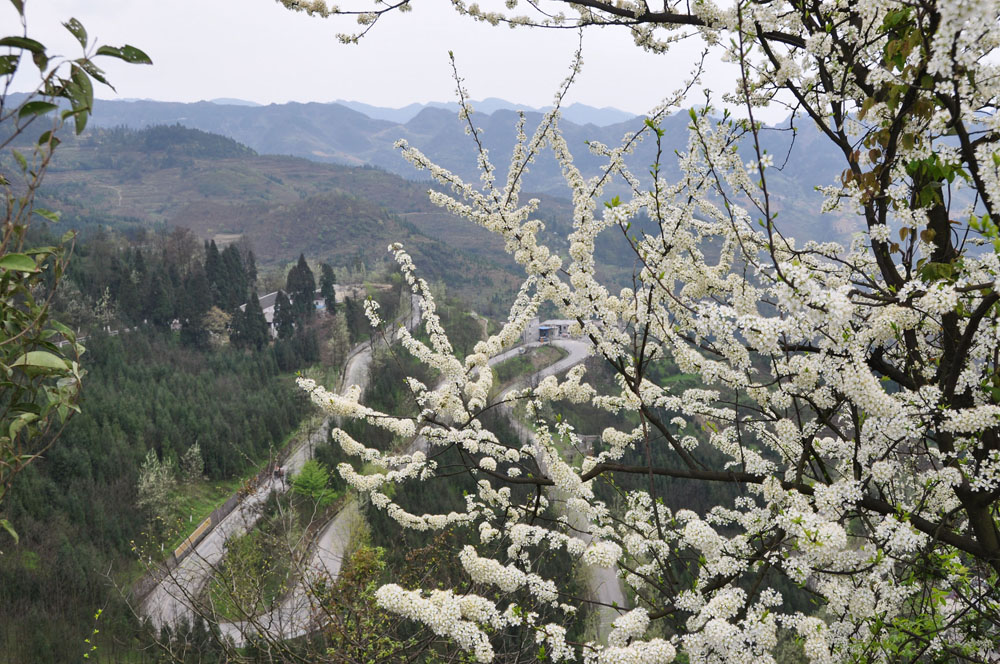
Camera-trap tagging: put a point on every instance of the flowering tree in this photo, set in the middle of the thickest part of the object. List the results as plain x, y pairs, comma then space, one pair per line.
850, 393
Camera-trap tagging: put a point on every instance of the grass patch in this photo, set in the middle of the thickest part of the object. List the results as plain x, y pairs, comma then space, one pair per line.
519, 366
192, 503
257, 569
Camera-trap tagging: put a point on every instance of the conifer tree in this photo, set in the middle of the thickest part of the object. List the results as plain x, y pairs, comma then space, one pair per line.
256, 323
232, 278
357, 324
248, 328
193, 304
327, 283
284, 316
301, 288
138, 261
213, 265
159, 303
250, 267
238, 333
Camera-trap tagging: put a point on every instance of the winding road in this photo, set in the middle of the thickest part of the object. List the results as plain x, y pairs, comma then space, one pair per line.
175, 596
603, 585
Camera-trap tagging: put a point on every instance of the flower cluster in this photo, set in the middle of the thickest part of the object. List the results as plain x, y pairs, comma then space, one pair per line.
846, 393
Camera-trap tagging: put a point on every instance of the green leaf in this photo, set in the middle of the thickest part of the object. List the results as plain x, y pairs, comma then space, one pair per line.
23, 43
36, 108
64, 330
84, 85
78, 31
80, 116
41, 359
47, 214
936, 271
95, 72
48, 137
8, 64
18, 262
23, 420
127, 53
5, 524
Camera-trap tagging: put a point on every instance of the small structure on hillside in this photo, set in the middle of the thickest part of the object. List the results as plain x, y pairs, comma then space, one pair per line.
557, 328
267, 306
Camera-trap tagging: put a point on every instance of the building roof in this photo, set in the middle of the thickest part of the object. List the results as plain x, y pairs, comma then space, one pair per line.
266, 301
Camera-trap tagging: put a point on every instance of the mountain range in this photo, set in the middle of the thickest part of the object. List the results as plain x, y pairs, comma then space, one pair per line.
335, 133
576, 113
130, 180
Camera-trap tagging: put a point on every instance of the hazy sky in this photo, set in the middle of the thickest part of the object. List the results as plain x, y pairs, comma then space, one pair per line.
259, 51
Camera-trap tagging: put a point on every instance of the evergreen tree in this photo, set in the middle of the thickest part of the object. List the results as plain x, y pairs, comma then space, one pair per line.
159, 303
248, 328
357, 324
284, 316
256, 323
194, 302
327, 282
232, 278
313, 482
125, 289
138, 262
238, 332
301, 287
213, 265
213, 269
250, 267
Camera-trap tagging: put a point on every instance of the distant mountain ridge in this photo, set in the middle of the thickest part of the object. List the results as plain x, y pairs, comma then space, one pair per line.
335, 133
576, 113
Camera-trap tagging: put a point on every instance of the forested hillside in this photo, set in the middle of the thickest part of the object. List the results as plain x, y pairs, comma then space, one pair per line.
283, 206
165, 386
333, 133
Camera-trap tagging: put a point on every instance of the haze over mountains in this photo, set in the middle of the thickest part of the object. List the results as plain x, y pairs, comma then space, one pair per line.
335, 133
577, 113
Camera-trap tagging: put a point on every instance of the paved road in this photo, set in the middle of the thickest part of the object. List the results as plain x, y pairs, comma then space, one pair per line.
172, 599
297, 613
603, 583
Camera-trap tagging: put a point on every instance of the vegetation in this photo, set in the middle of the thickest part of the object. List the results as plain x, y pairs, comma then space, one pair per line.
526, 364
171, 423
280, 206
848, 395
313, 482
258, 568
39, 355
